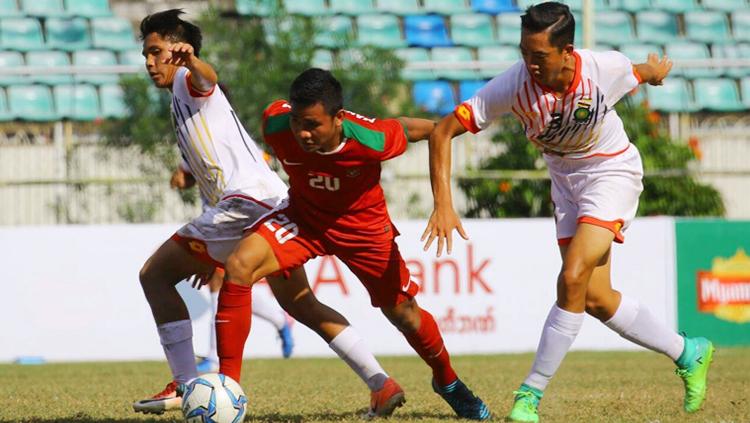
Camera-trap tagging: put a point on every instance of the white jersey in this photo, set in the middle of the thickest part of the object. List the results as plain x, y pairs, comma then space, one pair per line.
215, 147
580, 124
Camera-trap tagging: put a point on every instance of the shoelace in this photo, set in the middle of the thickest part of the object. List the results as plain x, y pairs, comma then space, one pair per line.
530, 400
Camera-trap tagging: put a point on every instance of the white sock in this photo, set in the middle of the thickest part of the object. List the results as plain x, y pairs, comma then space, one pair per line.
560, 330
268, 309
634, 322
177, 341
352, 349
213, 355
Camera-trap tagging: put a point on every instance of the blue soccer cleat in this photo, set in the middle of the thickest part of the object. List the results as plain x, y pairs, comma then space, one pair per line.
287, 342
462, 400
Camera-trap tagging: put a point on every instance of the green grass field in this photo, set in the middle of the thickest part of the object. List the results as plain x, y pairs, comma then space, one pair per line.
590, 387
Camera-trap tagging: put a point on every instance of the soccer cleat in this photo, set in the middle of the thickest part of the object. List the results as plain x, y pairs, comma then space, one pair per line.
694, 375
287, 342
206, 365
525, 405
386, 400
168, 399
462, 400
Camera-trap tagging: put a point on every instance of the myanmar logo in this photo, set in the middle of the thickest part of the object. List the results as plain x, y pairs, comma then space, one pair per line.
197, 246
582, 113
724, 291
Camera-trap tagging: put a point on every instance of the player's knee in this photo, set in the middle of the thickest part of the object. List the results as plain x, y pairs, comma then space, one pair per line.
596, 308
573, 277
405, 316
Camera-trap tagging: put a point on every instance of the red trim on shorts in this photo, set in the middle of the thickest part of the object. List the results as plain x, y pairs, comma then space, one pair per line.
637, 76
616, 153
194, 92
196, 248
245, 197
564, 241
615, 226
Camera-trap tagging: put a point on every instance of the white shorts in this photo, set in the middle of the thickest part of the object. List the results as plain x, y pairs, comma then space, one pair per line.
600, 190
213, 235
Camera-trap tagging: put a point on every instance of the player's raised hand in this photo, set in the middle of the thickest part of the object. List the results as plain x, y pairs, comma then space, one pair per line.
181, 54
660, 68
441, 225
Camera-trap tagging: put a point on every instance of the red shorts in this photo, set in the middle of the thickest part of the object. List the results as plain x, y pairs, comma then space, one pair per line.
376, 263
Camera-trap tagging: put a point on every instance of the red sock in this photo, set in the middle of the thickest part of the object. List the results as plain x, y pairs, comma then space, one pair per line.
428, 343
233, 317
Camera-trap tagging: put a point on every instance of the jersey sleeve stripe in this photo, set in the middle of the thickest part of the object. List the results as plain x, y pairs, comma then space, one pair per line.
366, 136
194, 92
277, 123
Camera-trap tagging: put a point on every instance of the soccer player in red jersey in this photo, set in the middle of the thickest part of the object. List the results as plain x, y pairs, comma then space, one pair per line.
336, 207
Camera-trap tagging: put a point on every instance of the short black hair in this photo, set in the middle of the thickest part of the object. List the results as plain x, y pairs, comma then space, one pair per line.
169, 25
317, 86
552, 16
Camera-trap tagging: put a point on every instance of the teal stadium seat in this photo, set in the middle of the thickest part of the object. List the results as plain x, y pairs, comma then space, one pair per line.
322, 59
572, 4
43, 8
656, 27
415, 55
399, 7
741, 25
509, 28
76, 102
4, 112
68, 34
11, 59
675, 6
673, 96
707, 27
112, 100
497, 54
349, 57
717, 95
725, 5
307, 7
445, 7
256, 7
47, 59
472, 29
31, 103
452, 55
94, 59
380, 31
131, 57
88, 8
426, 31
635, 6
732, 51
9, 9
745, 90
690, 51
334, 31
638, 53
352, 7
22, 34
112, 34
614, 28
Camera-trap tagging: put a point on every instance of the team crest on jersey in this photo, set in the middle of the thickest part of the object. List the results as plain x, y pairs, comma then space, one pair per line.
582, 113
353, 172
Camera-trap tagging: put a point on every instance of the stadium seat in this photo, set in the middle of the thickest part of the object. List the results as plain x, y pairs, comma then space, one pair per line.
638, 53
112, 34
11, 59
732, 51
725, 5
635, 6
741, 25
509, 28
68, 34
380, 31
497, 54
333, 31
717, 95
4, 112
445, 7
426, 31
745, 90
47, 59
572, 4
690, 51
88, 8
673, 96
434, 96
322, 59
76, 102
706, 26
307, 7
613, 28
22, 34
399, 7
112, 100
255, 7
349, 57
131, 57
656, 27
453, 55
473, 29
9, 9
31, 102
675, 6
414, 55
93, 59
43, 8
352, 7
466, 89
493, 7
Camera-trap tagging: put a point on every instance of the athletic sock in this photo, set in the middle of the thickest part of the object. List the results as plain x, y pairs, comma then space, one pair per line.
560, 330
634, 322
268, 309
177, 340
352, 349
233, 319
428, 343
212, 354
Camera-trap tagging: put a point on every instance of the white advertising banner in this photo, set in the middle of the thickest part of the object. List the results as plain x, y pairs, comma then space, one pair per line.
72, 292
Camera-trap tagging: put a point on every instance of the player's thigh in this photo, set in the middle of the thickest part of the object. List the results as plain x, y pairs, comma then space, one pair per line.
588, 249
252, 259
170, 264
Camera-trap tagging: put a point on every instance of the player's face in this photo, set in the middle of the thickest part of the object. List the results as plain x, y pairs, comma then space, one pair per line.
544, 61
316, 130
156, 51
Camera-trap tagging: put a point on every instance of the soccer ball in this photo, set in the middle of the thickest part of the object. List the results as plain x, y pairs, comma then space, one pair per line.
213, 398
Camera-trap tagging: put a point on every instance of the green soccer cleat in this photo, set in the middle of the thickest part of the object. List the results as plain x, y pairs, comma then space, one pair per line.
525, 405
697, 357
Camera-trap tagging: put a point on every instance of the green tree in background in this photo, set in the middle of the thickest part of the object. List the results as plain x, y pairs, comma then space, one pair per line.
671, 190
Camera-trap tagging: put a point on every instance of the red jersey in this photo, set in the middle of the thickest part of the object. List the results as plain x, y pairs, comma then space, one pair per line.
339, 192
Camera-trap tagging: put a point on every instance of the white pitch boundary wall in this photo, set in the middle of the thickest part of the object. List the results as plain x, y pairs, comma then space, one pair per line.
71, 293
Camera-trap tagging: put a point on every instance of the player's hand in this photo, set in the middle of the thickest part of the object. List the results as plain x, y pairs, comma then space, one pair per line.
441, 225
659, 67
178, 180
181, 54
198, 280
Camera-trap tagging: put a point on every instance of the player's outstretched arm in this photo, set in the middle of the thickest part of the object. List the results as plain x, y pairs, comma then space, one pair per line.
202, 75
654, 70
416, 128
443, 219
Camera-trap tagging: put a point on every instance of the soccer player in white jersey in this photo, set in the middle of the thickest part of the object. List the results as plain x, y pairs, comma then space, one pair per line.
565, 99
240, 187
